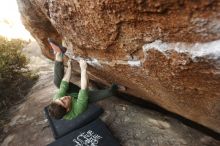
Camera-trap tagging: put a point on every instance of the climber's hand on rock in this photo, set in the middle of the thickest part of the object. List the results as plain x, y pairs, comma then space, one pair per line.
69, 63
83, 64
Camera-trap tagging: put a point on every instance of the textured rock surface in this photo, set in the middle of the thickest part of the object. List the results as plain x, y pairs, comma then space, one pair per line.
166, 52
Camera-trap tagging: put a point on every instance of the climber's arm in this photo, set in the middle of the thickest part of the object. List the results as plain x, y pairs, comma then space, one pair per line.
67, 75
84, 79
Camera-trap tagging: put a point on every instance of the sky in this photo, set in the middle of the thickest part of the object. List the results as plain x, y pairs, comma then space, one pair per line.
10, 22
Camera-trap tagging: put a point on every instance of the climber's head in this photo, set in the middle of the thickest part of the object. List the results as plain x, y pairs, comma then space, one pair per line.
59, 107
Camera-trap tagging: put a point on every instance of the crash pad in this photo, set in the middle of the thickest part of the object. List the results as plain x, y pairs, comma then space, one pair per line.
62, 127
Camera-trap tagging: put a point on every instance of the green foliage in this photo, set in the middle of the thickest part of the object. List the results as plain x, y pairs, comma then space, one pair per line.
15, 77
12, 62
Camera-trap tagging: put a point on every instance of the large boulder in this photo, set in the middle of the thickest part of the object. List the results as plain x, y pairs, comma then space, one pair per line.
166, 52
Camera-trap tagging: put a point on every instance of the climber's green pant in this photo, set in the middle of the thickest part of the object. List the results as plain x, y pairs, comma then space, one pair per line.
94, 95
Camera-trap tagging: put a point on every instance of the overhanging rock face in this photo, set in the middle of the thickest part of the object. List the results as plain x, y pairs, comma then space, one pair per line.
166, 52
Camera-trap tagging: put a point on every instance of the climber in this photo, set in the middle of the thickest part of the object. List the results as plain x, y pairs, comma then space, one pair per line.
70, 100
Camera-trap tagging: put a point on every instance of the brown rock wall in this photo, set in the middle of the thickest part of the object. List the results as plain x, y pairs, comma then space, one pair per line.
114, 32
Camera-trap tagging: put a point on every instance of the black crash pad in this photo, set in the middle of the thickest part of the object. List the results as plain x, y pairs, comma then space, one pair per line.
63, 127
93, 134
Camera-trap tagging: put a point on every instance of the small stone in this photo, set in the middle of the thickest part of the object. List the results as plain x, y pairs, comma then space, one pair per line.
182, 141
159, 124
126, 119
164, 124
206, 139
7, 140
41, 122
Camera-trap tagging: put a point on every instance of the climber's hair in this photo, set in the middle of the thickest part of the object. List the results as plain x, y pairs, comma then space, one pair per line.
56, 111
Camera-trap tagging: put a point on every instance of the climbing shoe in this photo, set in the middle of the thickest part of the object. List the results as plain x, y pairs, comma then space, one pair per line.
56, 47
